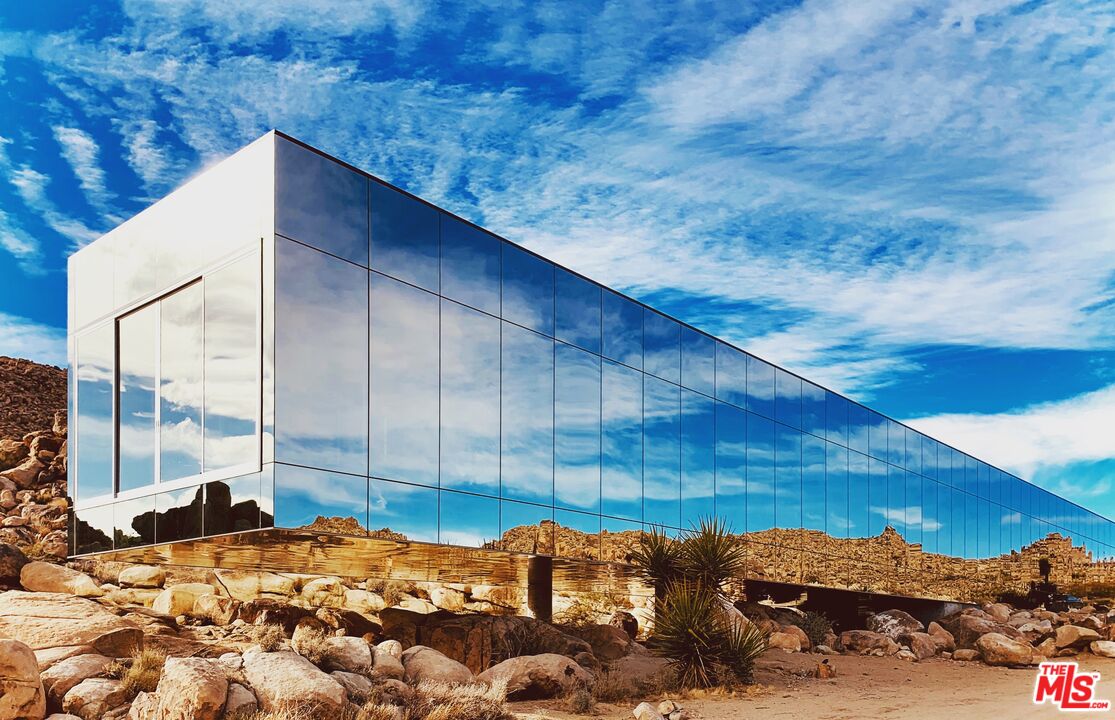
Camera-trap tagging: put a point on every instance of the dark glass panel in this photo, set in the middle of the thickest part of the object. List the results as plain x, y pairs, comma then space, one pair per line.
399, 509
232, 505
577, 311
93, 529
179, 514
267, 496
731, 375
836, 418
698, 361
760, 473
661, 346
623, 330
320, 202
859, 495
787, 496
138, 374
319, 500
469, 399
470, 265
662, 452
813, 409
838, 523
896, 499
404, 237
787, 400
93, 428
859, 423
585, 544
134, 522
813, 453
877, 435
731, 465
698, 458
896, 443
622, 442
404, 382
468, 520
760, 387
526, 528
232, 358
527, 406
877, 497
576, 428
528, 290
321, 348
181, 388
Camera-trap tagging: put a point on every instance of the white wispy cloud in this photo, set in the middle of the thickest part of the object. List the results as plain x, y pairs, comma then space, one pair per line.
23, 338
24, 248
83, 154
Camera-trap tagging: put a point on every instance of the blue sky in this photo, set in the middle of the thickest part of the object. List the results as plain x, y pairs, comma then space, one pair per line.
910, 202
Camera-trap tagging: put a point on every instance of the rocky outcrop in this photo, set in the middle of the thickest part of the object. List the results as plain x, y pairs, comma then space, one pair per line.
968, 625
423, 663
21, 691
866, 642
285, 681
192, 689
61, 677
997, 649
894, 624
52, 620
532, 677
92, 699
50, 578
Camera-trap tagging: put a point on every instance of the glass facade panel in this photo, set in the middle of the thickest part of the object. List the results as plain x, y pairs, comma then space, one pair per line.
813, 495
320, 500
896, 499
787, 400
698, 361
859, 427
232, 362
321, 336
582, 547
622, 330
877, 497
576, 429
521, 516
621, 442
470, 359
661, 346
134, 522
662, 453
232, 505
698, 458
93, 529
731, 465
787, 495
859, 495
405, 237
760, 473
404, 382
528, 290
181, 386
527, 407
896, 443
179, 514
577, 311
470, 265
836, 417
813, 418
96, 350
138, 373
837, 512
760, 387
399, 509
320, 202
468, 520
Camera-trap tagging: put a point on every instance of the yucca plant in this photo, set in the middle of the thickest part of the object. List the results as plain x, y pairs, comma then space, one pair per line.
743, 644
658, 559
710, 554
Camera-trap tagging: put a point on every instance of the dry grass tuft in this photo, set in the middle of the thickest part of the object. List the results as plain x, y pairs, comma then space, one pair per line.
431, 701
312, 645
139, 673
579, 700
269, 637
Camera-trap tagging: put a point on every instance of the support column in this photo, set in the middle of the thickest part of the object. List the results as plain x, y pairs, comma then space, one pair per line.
540, 587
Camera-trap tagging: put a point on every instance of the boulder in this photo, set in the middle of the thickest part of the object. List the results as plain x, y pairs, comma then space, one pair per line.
348, 621
324, 592
216, 609
348, 654
363, 601
531, 677
50, 578
608, 641
240, 703
1075, 637
21, 691
25, 474
51, 656
867, 642
192, 688
967, 627
245, 585
1103, 648
179, 599
392, 647
784, 641
803, 639
59, 678
286, 681
922, 645
266, 611
12, 453
943, 639
12, 561
142, 576
50, 620
999, 612
627, 622
1047, 647
646, 711
424, 663
386, 663
448, 599
357, 687
894, 623
999, 649
966, 655
92, 699
906, 655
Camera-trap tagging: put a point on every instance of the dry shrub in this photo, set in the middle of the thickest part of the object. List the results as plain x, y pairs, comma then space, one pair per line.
587, 609
615, 687
392, 591
579, 700
269, 637
442, 701
139, 673
312, 645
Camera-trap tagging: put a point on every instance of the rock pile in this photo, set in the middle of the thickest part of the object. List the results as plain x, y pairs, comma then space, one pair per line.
33, 504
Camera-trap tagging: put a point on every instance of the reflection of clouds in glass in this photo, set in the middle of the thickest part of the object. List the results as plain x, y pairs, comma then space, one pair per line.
577, 428
527, 428
911, 516
662, 440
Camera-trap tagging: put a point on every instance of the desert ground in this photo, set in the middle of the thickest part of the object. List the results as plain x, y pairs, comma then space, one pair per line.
866, 688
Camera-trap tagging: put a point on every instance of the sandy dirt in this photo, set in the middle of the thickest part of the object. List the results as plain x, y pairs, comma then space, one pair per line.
870, 687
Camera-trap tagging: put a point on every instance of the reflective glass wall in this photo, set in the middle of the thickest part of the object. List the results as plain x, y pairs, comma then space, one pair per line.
444, 385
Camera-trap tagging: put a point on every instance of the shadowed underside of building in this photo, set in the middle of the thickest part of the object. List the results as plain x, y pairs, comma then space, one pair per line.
288, 364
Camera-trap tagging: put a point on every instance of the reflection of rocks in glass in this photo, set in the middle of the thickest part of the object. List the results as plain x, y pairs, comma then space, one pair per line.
336, 525
182, 521
89, 538
223, 516
143, 526
388, 534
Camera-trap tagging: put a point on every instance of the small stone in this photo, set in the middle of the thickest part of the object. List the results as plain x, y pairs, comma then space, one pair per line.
966, 655
906, 655
1103, 648
646, 711
824, 671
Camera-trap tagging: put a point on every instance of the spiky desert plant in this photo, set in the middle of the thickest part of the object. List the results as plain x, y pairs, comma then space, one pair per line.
710, 554
815, 625
743, 644
659, 559
687, 633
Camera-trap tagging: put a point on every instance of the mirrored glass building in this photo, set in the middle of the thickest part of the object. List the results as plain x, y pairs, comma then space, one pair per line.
290, 363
